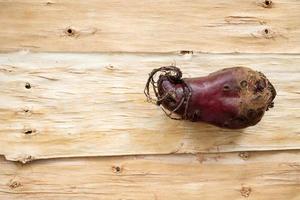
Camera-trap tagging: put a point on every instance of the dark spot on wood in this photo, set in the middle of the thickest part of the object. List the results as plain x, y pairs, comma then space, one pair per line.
116, 169
183, 52
244, 155
27, 85
27, 132
26, 159
267, 4
268, 34
110, 67
243, 83
266, 31
14, 184
245, 191
26, 111
49, 3
70, 32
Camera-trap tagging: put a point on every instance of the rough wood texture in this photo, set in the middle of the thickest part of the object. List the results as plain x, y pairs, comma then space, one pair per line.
151, 26
93, 104
257, 176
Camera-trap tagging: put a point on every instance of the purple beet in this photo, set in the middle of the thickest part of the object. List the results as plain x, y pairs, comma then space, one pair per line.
232, 98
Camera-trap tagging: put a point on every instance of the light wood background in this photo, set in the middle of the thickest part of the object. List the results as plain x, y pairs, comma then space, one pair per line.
93, 104
259, 175
85, 111
151, 26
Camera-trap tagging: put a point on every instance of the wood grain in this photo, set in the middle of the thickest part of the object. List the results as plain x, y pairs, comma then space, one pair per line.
93, 105
150, 26
235, 176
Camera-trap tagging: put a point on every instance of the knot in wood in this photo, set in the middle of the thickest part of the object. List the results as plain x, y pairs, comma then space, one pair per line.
28, 131
267, 4
27, 85
71, 32
14, 184
25, 159
183, 52
244, 155
117, 169
245, 191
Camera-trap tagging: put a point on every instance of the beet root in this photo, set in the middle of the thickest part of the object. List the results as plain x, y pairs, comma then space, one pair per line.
231, 98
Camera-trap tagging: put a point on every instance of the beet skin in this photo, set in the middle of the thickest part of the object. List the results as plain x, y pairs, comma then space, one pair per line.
232, 98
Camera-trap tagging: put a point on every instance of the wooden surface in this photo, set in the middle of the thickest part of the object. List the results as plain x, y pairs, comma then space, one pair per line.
85, 100
151, 26
93, 104
234, 176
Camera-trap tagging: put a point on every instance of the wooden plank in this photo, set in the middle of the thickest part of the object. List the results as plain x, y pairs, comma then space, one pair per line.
150, 26
259, 176
93, 104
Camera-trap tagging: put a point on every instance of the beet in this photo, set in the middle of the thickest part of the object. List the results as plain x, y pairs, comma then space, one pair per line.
231, 98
